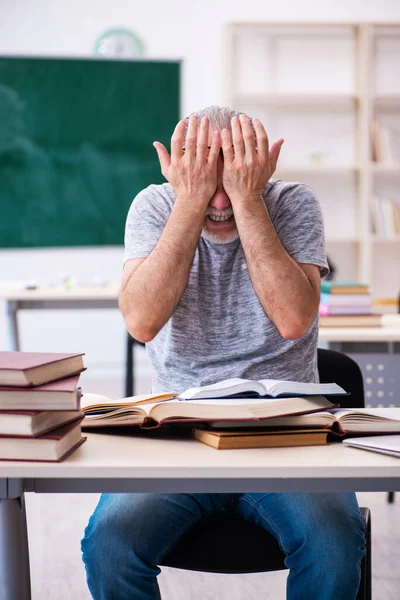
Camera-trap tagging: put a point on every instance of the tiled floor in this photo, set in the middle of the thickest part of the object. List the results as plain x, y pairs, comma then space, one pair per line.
56, 524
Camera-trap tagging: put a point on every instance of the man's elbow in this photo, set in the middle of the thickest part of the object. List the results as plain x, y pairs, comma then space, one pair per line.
138, 327
293, 329
140, 331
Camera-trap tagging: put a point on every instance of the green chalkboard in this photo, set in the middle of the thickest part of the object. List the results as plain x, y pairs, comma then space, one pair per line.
76, 145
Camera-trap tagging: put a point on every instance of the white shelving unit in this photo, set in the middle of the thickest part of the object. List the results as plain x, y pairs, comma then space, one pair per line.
323, 88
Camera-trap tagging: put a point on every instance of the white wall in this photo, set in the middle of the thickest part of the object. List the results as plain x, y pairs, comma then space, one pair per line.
174, 29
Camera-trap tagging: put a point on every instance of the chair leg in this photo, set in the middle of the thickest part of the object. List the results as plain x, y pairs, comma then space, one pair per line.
365, 589
390, 497
129, 367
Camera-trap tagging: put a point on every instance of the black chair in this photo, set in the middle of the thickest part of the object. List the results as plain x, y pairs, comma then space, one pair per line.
224, 543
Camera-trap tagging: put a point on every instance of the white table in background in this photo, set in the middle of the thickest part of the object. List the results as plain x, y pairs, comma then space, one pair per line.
54, 298
377, 352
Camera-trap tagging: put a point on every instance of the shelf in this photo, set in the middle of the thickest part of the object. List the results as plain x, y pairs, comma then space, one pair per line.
378, 239
274, 99
342, 240
316, 170
382, 168
387, 100
279, 73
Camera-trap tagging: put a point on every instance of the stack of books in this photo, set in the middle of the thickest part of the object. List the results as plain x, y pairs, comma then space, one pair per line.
236, 403
242, 413
346, 304
40, 416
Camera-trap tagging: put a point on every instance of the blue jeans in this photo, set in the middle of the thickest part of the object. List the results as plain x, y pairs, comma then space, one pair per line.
322, 536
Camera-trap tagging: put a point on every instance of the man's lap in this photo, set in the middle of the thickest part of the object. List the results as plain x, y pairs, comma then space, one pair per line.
154, 523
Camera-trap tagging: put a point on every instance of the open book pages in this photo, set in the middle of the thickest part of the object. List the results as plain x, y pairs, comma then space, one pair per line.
153, 415
96, 403
358, 420
263, 388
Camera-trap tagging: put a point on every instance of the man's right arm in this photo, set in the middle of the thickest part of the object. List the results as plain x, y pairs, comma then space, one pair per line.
152, 287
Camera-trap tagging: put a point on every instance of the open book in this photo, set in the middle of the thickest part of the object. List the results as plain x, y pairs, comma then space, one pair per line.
265, 388
339, 420
101, 411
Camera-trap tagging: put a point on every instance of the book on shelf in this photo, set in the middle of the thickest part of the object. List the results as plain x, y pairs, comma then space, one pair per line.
385, 143
340, 421
372, 320
53, 446
385, 217
63, 394
231, 439
346, 299
101, 411
344, 287
264, 388
35, 422
25, 369
326, 310
384, 444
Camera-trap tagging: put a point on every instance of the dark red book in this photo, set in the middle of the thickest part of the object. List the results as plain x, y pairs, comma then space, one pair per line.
52, 446
24, 369
63, 394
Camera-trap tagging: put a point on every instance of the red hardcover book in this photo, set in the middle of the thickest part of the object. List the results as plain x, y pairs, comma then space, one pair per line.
63, 394
25, 369
52, 446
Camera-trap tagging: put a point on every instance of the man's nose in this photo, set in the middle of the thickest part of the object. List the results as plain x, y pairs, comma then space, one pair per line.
220, 200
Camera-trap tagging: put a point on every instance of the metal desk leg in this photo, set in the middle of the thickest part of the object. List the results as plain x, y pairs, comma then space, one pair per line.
14, 551
13, 333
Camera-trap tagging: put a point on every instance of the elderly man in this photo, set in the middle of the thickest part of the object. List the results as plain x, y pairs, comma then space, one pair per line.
222, 279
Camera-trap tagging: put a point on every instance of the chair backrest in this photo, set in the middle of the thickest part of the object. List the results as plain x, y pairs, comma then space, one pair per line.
339, 368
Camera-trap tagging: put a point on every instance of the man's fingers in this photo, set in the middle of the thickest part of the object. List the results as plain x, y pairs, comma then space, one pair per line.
262, 140
163, 157
191, 137
237, 138
215, 147
248, 137
274, 153
226, 143
202, 140
177, 140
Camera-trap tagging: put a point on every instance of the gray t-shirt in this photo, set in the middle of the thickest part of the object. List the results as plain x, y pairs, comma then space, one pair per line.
219, 328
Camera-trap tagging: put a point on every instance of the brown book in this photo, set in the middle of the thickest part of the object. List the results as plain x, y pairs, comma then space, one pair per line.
234, 439
63, 394
52, 446
25, 369
35, 422
351, 321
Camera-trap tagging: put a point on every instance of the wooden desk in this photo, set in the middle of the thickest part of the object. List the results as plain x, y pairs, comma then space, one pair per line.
149, 463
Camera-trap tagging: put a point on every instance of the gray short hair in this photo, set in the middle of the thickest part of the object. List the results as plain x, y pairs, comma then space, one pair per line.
219, 116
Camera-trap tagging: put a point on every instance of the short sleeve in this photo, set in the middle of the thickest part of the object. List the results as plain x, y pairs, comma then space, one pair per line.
299, 224
145, 222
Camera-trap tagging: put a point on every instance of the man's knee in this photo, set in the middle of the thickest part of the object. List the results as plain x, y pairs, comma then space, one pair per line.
114, 530
338, 541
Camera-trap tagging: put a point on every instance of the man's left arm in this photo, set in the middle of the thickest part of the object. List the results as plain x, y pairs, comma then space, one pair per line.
288, 290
